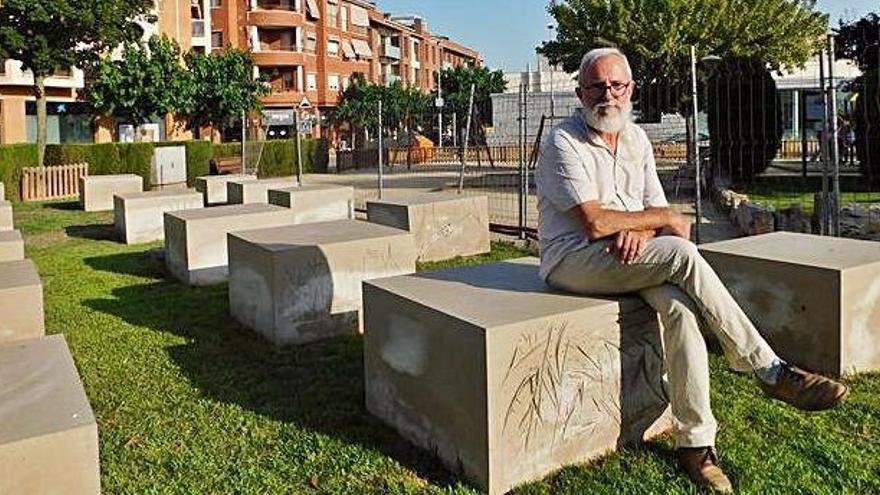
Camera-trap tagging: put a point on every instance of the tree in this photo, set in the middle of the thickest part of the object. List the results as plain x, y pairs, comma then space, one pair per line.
223, 88
456, 85
656, 36
859, 41
146, 82
49, 35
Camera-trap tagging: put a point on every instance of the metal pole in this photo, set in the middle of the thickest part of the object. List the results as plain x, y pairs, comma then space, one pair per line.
243, 140
467, 134
833, 156
381, 178
440, 98
824, 221
552, 92
454, 130
696, 137
299, 158
522, 158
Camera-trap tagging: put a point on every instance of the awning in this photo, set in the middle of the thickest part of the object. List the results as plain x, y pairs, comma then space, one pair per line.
359, 16
348, 50
312, 7
361, 48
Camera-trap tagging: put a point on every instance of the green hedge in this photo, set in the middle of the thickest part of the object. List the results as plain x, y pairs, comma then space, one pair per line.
278, 158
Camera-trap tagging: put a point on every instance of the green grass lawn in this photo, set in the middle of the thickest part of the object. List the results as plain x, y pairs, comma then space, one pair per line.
189, 402
784, 199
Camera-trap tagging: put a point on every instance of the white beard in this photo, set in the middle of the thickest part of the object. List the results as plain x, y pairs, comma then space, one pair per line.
613, 121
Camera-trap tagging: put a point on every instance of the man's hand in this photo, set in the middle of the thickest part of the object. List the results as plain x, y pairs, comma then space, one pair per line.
630, 244
678, 226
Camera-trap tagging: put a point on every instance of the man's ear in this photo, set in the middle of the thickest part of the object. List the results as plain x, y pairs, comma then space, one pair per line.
631, 90
577, 91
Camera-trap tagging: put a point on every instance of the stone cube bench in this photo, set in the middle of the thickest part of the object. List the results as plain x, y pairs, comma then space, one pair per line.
505, 380
139, 215
48, 434
5, 215
815, 299
213, 187
316, 202
11, 246
21, 301
301, 283
2, 192
195, 240
445, 225
257, 190
96, 191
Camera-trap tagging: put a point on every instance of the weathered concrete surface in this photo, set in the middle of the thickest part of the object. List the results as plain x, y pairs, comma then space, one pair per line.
444, 225
96, 191
195, 240
256, 190
213, 187
11, 246
138, 215
48, 434
301, 283
21, 301
505, 380
2, 192
815, 299
316, 203
5, 215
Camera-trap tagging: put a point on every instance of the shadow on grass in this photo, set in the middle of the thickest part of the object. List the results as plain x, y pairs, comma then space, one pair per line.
146, 264
64, 205
95, 232
319, 386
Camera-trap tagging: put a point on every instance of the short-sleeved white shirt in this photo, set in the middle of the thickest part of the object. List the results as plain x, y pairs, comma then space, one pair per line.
576, 166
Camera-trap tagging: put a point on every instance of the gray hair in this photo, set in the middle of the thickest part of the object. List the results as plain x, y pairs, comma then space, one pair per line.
594, 55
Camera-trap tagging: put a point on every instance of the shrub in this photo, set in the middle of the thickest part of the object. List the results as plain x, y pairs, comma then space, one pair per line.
12, 159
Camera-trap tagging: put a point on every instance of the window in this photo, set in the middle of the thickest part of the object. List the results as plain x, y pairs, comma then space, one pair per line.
311, 42
217, 39
287, 81
311, 82
345, 82
332, 13
216, 4
333, 82
343, 17
333, 47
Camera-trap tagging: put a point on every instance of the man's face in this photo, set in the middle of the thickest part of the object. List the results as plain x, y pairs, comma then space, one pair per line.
606, 94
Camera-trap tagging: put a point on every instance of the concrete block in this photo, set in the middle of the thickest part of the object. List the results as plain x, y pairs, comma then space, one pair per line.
505, 380
48, 434
21, 301
11, 246
2, 192
5, 216
444, 225
195, 240
139, 215
815, 299
213, 187
316, 203
96, 191
301, 283
257, 190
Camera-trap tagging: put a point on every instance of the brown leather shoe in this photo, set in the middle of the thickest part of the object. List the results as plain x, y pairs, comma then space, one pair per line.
701, 465
806, 391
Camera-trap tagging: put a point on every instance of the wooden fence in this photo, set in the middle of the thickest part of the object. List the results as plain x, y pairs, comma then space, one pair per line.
41, 183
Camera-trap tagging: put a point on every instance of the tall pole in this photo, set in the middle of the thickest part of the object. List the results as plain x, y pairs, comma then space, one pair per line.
381, 165
243, 141
454, 130
521, 132
834, 152
698, 206
467, 134
825, 220
552, 92
440, 102
299, 157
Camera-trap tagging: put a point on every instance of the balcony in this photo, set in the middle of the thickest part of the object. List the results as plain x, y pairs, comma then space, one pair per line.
390, 51
280, 58
278, 18
390, 79
276, 5
198, 28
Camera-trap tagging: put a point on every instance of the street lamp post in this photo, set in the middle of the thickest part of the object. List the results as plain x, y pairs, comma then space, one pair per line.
550, 28
698, 173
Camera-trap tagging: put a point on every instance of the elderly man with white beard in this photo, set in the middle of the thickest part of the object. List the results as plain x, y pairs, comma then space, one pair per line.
606, 229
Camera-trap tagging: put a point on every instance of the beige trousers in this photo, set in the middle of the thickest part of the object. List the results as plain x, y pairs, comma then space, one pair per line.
673, 278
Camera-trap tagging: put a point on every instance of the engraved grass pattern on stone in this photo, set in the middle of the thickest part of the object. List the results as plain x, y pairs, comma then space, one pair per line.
562, 380
448, 227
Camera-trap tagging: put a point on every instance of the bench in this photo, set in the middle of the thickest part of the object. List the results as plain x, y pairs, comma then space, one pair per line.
5, 215
21, 301
195, 240
506, 380
444, 225
256, 190
213, 187
316, 202
48, 433
228, 165
815, 299
11, 246
300, 283
96, 191
138, 215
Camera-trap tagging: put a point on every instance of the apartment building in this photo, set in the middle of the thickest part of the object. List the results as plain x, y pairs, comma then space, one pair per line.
310, 50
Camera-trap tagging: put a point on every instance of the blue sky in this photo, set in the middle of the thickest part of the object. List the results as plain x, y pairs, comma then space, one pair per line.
507, 31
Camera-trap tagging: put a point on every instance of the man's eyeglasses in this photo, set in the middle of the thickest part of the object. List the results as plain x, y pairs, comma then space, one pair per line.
598, 89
